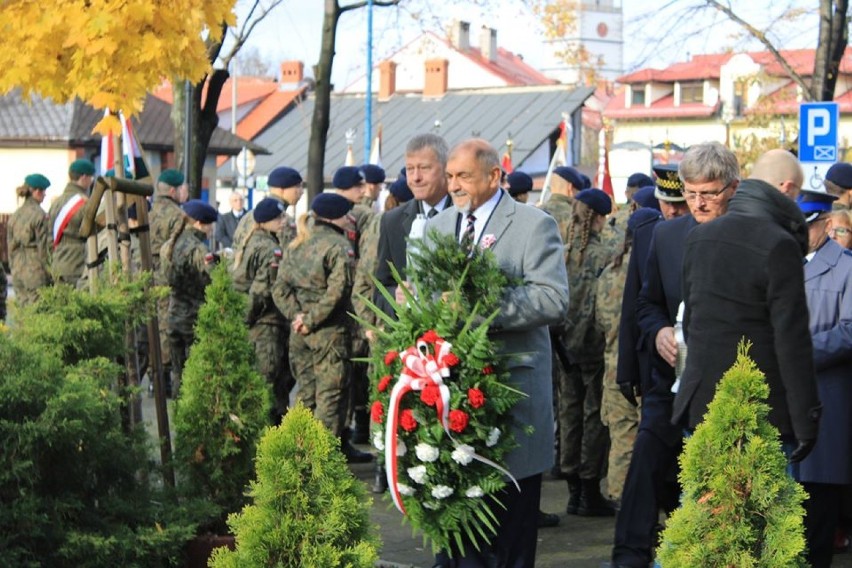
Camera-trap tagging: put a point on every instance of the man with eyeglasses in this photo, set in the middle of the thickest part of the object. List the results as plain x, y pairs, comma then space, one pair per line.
840, 227
706, 178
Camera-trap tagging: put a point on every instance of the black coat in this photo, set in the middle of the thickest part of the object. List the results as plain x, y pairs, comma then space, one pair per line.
743, 277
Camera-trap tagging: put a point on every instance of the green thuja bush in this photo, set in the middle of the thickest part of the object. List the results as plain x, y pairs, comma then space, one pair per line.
308, 509
222, 408
74, 488
739, 508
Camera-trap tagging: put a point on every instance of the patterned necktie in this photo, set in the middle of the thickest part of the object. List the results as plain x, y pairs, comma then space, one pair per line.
469, 232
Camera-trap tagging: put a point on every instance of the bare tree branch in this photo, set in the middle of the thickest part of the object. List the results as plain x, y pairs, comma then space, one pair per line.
248, 26
362, 3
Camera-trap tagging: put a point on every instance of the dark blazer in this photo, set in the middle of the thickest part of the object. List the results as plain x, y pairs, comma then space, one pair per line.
743, 277
225, 228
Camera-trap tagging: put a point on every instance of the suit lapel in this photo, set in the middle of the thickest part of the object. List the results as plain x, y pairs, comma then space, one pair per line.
500, 219
821, 263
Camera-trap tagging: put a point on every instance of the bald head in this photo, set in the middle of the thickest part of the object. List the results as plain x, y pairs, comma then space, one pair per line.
780, 169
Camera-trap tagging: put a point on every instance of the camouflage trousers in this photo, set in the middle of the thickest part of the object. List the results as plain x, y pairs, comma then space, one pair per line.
272, 355
583, 439
622, 419
163, 327
320, 365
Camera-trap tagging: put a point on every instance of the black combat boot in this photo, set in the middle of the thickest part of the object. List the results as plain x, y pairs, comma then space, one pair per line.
360, 426
592, 503
353, 454
380, 481
574, 491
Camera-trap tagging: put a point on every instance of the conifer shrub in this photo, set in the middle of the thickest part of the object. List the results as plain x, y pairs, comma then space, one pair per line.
308, 510
739, 506
222, 408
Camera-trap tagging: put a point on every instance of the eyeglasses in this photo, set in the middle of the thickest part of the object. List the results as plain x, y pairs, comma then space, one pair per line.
840, 231
705, 195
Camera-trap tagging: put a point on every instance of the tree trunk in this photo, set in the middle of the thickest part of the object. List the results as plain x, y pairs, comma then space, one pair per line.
833, 38
204, 123
322, 100
178, 116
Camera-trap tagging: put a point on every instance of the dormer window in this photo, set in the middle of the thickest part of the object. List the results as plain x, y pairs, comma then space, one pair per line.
692, 92
637, 96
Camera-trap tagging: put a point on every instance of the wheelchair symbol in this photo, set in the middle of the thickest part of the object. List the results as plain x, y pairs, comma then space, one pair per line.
815, 180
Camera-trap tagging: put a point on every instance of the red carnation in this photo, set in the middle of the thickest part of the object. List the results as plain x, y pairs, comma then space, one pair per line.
391, 356
383, 383
451, 360
377, 412
430, 394
488, 370
458, 420
407, 421
430, 336
476, 398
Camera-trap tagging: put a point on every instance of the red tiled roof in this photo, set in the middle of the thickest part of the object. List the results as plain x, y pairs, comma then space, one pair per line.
509, 66
661, 108
249, 89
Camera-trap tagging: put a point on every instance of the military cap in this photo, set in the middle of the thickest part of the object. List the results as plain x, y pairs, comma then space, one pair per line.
840, 174
570, 175
403, 173
200, 211
814, 203
267, 210
640, 217
283, 176
37, 181
639, 180
373, 173
346, 177
401, 191
330, 205
519, 182
669, 184
132, 212
82, 167
171, 177
644, 197
597, 200
587, 182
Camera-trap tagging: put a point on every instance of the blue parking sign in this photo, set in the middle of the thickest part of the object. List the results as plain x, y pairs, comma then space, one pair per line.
818, 124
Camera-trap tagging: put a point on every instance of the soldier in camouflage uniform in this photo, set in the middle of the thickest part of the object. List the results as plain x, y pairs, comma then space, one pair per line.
267, 326
580, 349
66, 216
374, 181
186, 263
564, 183
619, 415
616, 226
28, 239
312, 291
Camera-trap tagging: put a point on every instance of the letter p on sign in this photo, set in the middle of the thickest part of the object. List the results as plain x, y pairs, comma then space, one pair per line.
819, 124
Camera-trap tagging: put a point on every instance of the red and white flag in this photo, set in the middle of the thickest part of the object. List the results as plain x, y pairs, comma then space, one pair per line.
560, 157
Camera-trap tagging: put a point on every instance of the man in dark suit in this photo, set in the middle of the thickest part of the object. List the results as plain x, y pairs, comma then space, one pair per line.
425, 163
527, 245
707, 177
227, 224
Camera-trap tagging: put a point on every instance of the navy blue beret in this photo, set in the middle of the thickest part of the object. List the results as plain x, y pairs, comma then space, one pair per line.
644, 197
82, 167
347, 177
640, 217
267, 210
570, 175
172, 177
403, 173
587, 183
597, 200
813, 203
639, 180
519, 182
200, 211
37, 181
401, 191
841, 174
373, 173
284, 177
330, 205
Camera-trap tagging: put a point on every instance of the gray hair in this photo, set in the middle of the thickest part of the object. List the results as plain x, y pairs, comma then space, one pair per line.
708, 161
432, 141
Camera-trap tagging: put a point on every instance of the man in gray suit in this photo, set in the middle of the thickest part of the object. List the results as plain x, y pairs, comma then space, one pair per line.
528, 247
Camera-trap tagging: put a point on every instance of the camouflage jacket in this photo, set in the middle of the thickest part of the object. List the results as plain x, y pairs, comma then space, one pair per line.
185, 264
259, 267
615, 228
247, 223
581, 337
363, 286
610, 290
28, 241
163, 220
559, 207
69, 255
315, 279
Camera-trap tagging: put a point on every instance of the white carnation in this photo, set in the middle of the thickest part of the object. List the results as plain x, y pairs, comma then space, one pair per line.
401, 448
378, 441
463, 454
405, 489
428, 505
441, 491
426, 453
493, 437
417, 474
474, 491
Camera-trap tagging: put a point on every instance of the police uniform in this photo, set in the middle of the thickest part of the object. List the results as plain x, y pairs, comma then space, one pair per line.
28, 240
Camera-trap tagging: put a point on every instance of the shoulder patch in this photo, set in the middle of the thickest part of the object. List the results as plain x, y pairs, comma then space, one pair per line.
350, 253
277, 252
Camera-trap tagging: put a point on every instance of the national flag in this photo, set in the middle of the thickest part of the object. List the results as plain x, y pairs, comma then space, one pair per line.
376, 149
134, 164
350, 157
107, 149
560, 157
604, 181
506, 161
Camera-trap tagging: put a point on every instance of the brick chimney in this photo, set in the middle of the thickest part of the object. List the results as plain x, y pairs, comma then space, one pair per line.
488, 43
292, 72
436, 78
460, 35
387, 79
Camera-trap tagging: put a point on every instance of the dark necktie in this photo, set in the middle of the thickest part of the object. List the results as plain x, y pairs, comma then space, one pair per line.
469, 232
432, 212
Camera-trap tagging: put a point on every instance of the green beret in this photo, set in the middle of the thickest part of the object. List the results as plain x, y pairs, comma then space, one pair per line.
37, 181
82, 167
171, 177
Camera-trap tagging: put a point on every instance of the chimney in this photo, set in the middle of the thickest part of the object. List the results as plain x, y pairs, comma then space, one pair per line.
387, 79
436, 78
460, 35
488, 43
292, 73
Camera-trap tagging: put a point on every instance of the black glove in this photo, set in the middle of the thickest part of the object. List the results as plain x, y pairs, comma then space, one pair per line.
630, 392
803, 448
